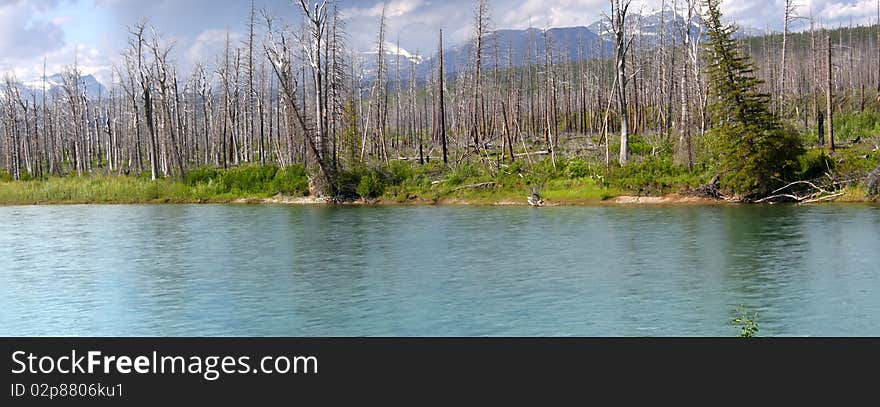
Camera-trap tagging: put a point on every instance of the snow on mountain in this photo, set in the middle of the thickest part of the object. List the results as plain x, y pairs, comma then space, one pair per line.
395, 49
53, 85
519, 47
649, 27
368, 63
43, 83
391, 51
569, 43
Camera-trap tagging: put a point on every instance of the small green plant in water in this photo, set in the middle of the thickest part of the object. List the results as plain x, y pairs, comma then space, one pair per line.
746, 321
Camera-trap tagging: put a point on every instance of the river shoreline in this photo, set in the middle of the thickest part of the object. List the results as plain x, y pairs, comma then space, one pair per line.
556, 192
621, 200
281, 200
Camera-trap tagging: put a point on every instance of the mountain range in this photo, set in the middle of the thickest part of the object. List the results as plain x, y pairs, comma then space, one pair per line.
516, 47
53, 85
504, 47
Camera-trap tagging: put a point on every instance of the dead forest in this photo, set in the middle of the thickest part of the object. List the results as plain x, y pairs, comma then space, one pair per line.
295, 93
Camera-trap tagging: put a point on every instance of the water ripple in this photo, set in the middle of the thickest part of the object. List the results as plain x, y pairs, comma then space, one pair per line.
176, 270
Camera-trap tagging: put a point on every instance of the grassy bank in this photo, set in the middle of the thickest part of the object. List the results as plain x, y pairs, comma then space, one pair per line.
575, 176
200, 185
571, 181
568, 182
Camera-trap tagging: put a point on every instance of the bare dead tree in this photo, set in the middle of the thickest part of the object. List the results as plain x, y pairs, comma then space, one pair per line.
549, 93
442, 109
277, 47
164, 77
316, 16
622, 45
11, 98
829, 97
790, 15
137, 43
481, 21
688, 66
70, 77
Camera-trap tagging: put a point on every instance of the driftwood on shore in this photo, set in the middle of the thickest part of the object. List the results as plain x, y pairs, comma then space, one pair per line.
821, 189
709, 190
810, 192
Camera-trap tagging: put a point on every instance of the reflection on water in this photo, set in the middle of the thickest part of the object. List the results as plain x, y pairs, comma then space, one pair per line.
176, 270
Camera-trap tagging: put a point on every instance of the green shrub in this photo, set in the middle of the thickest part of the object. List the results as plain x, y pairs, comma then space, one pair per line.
746, 321
23, 175
638, 145
26, 176
292, 180
195, 176
848, 127
347, 182
399, 172
460, 173
254, 179
815, 163
371, 185
249, 179
545, 168
513, 168
755, 160
577, 168
652, 175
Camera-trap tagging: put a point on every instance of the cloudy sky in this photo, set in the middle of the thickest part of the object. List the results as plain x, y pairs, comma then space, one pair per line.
93, 32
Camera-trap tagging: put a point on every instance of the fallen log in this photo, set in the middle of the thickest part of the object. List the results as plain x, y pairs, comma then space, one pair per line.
414, 158
772, 197
800, 182
475, 186
825, 198
542, 152
812, 198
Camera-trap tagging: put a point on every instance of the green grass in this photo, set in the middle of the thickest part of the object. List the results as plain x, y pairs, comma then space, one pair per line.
582, 189
202, 185
862, 125
651, 172
93, 190
656, 176
570, 181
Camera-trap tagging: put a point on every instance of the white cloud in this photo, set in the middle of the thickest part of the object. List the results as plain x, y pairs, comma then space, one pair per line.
859, 11
89, 60
560, 13
392, 9
30, 29
210, 45
22, 35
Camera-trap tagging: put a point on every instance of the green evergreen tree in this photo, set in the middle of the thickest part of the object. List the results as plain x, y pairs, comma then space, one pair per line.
350, 137
754, 151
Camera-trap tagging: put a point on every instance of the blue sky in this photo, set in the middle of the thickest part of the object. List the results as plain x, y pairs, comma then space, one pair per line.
94, 31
